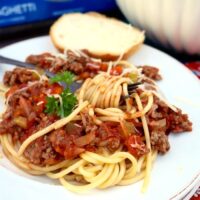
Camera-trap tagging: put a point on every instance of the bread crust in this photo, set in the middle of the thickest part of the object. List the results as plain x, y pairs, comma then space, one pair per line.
103, 56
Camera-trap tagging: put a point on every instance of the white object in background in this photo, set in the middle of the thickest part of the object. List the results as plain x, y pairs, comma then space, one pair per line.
174, 23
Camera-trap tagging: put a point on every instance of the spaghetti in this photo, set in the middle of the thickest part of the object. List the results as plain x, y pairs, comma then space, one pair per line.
110, 138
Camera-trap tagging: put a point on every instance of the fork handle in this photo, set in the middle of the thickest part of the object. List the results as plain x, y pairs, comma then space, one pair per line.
11, 61
49, 74
6, 60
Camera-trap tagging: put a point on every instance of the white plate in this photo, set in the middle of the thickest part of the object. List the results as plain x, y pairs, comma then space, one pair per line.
173, 174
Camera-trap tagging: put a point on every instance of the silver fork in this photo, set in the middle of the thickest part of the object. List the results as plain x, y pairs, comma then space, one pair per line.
11, 61
26, 65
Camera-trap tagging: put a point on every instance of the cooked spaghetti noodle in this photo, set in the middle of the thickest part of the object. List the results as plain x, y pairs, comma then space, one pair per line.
108, 139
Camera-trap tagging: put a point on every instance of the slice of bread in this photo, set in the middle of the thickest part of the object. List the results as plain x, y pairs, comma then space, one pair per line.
96, 35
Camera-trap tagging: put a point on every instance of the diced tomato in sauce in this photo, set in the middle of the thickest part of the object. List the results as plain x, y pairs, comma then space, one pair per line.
136, 146
117, 70
103, 67
55, 88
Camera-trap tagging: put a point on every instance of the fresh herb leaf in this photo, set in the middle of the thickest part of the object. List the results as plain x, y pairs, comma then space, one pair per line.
66, 77
64, 106
69, 101
52, 105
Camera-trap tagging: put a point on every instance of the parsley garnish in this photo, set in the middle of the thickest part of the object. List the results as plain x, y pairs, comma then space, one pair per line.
66, 77
54, 105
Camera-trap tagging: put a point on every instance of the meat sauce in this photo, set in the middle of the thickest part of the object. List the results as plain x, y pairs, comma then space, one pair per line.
19, 76
83, 67
26, 115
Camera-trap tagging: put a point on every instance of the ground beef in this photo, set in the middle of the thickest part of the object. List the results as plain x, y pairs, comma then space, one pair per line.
88, 122
24, 116
109, 135
41, 152
162, 120
80, 65
159, 141
36, 59
73, 139
19, 76
176, 121
179, 122
63, 143
151, 72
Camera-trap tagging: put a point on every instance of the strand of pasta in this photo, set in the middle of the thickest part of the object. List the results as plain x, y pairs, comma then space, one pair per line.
99, 179
110, 65
104, 92
110, 119
95, 86
67, 170
111, 180
144, 110
25, 164
98, 170
58, 124
17, 162
117, 92
148, 143
165, 101
106, 170
106, 112
82, 90
104, 100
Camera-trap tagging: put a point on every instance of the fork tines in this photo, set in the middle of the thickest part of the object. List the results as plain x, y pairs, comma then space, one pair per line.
134, 85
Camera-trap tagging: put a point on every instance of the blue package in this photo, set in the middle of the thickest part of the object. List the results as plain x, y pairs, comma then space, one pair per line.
16, 12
